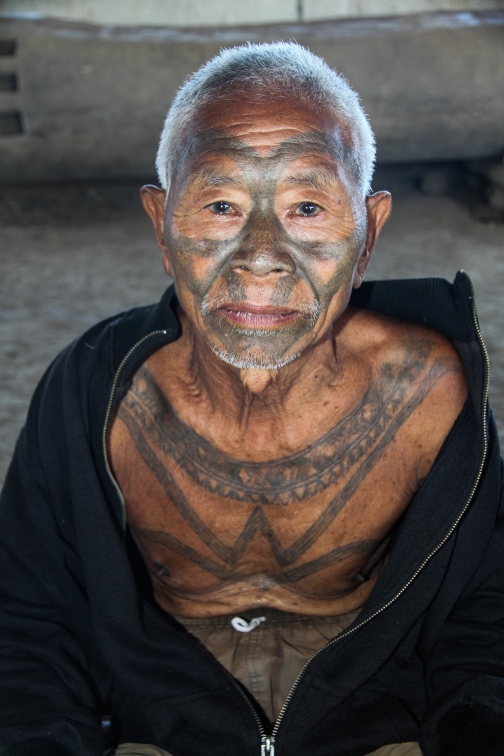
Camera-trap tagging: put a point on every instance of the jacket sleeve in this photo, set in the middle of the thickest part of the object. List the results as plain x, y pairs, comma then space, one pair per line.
49, 702
465, 670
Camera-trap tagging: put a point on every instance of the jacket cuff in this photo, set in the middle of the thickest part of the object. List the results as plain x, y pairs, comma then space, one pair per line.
471, 730
37, 747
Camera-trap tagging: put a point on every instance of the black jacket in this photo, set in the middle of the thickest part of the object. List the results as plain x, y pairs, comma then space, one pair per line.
80, 634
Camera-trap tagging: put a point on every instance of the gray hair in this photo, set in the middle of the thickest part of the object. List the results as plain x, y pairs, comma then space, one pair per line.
287, 67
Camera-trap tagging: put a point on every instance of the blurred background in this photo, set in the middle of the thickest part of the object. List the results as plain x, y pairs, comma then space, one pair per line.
85, 86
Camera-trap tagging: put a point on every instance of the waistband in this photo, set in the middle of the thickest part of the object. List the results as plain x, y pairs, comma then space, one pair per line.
271, 616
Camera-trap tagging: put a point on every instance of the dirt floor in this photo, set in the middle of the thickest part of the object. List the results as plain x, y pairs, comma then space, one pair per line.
71, 255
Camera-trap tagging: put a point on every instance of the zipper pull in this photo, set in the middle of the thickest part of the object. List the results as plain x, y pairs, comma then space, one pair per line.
267, 746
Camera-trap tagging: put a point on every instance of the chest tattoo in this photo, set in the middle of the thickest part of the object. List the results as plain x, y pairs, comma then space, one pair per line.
350, 450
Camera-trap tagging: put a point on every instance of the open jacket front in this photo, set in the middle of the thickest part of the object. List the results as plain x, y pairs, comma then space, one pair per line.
81, 636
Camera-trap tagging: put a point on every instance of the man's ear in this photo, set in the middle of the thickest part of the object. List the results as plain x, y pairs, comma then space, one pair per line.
378, 208
153, 201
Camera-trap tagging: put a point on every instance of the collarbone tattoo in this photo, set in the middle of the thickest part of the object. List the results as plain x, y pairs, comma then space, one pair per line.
293, 478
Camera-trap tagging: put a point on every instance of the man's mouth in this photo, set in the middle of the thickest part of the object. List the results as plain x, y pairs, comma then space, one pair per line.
256, 316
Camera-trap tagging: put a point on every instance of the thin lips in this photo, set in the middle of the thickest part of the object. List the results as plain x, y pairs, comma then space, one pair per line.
257, 309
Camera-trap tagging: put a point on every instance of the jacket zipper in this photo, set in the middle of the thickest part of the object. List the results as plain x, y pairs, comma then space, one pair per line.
268, 741
271, 739
107, 418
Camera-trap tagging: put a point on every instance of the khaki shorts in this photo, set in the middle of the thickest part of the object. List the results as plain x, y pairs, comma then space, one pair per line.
266, 650
268, 658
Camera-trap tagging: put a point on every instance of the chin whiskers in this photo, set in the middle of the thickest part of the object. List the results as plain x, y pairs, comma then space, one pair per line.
249, 361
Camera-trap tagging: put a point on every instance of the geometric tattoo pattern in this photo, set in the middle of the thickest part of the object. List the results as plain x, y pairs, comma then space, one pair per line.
355, 444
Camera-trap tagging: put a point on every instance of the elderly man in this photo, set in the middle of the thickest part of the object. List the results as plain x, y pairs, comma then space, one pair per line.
262, 516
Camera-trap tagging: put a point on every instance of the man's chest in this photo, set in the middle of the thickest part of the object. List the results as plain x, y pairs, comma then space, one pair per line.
302, 532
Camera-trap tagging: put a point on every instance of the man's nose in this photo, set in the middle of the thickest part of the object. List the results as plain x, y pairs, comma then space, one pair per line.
262, 263
262, 253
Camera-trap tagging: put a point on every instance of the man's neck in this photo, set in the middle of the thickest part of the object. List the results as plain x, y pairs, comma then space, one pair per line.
242, 395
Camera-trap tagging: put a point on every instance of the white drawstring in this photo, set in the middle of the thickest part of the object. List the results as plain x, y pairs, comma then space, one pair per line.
245, 627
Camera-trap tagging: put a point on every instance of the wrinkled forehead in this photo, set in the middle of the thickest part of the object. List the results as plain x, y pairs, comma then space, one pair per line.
221, 143
264, 134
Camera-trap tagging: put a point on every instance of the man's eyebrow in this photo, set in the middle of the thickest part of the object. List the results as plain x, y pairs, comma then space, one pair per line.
314, 141
219, 141
327, 145
319, 178
210, 176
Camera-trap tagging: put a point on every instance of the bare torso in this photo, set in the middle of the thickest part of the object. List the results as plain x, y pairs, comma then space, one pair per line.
289, 510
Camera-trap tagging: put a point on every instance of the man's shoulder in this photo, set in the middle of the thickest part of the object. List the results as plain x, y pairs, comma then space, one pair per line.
416, 368
385, 338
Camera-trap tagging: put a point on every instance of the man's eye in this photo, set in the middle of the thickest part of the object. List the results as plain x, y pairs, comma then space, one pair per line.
220, 208
307, 209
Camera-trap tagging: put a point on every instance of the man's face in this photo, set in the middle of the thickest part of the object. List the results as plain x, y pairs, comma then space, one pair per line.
264, 229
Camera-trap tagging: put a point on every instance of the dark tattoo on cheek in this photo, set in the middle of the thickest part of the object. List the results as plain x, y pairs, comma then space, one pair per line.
263, 242
354, 445
235, 286
283, 291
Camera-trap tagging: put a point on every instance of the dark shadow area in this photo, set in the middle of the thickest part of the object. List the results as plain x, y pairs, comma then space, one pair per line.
69, 202
469, 184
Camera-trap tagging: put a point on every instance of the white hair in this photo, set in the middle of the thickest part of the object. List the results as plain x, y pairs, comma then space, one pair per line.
285, 66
